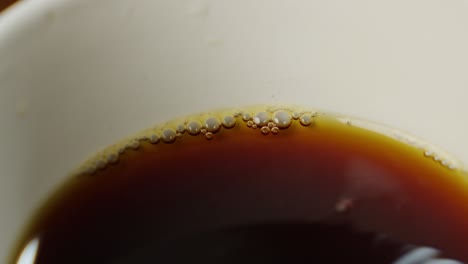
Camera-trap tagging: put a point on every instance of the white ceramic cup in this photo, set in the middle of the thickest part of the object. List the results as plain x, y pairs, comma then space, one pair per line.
78, 75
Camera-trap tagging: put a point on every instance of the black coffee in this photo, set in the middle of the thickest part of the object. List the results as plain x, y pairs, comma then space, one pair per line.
266, 185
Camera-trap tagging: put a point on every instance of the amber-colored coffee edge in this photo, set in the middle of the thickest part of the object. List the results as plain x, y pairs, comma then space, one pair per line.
248, 117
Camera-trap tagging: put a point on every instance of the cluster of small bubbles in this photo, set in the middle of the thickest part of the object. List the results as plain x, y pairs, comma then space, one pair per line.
194, 127
306, 120
153, 138
212, 124
282, 119
267, 120
272, 120
442, 160
265, 130
229, 121
261, 118
168, 135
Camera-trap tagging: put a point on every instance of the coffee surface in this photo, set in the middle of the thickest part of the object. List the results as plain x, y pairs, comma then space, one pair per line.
271, 185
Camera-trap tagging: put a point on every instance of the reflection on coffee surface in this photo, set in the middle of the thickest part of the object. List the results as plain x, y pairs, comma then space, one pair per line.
258, 185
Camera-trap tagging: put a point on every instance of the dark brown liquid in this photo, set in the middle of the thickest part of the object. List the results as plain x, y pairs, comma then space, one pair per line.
324, 193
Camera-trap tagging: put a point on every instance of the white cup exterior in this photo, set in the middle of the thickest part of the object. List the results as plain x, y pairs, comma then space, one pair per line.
76, 76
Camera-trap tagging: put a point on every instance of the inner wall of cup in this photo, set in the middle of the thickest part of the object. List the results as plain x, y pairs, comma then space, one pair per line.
79, 76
